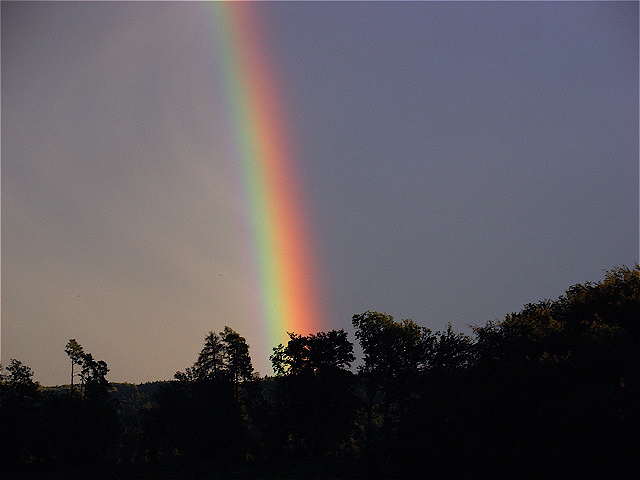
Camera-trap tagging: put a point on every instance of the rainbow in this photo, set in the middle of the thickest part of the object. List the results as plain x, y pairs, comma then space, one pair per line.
279, 230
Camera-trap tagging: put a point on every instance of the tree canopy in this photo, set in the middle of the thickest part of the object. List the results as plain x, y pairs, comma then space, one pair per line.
551, 391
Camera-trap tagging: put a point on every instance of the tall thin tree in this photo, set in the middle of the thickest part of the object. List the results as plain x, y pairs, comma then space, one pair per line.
76, 354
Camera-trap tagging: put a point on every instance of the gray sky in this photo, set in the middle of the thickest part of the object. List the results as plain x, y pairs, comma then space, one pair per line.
458, 160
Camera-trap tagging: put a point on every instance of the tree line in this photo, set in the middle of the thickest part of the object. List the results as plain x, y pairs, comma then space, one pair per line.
551, 391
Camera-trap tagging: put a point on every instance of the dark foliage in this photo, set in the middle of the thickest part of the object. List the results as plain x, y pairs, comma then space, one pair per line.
315, 403
50, 426
552, 391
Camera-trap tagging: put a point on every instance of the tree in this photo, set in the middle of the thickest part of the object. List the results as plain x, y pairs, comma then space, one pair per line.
210, 361
92, 374
314, 354
451, 350
394, 355
94, 378
314, 392
223, 356
391, 349
75, 352
21, 431
235, 357
19, 376
201, 414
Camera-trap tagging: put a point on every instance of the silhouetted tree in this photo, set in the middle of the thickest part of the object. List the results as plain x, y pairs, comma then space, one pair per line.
201, 414
394, 355
83, 430
18, 415
224, 355
96, 386
75, 352
314, 391
19, 381
210, 361
450, 350
235, 357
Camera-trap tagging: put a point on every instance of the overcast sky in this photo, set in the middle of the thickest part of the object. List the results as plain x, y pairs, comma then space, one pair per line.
458, 160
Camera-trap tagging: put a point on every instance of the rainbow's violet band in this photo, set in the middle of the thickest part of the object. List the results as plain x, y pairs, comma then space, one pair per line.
281, 240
